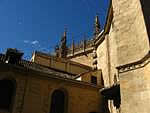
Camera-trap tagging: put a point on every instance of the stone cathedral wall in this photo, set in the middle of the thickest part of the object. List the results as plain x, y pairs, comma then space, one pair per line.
102, 59
132, 44
107, 58
74, 66
84, 59
131, 33
135, 90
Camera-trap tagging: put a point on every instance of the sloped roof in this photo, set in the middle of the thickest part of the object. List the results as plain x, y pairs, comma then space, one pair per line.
37, 67
39, 70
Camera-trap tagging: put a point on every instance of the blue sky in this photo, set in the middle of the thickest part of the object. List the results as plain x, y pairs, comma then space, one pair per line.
30, 25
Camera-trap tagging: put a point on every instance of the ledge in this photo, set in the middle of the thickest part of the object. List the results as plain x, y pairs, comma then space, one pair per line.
135, 65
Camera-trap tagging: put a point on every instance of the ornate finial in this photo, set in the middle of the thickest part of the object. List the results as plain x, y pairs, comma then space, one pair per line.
96, 26
73, 44
72, 40
63, 45
65, 31
57, 50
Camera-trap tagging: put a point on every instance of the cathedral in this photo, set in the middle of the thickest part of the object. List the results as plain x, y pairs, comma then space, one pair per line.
106, 74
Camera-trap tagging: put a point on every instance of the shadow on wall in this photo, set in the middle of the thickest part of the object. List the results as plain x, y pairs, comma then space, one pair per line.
146, 8
105, 106
7, 93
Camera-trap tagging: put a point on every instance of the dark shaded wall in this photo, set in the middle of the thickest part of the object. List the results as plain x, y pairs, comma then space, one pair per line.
146, 12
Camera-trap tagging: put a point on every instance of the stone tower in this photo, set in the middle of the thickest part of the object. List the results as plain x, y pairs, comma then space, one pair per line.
124, 58
131, 31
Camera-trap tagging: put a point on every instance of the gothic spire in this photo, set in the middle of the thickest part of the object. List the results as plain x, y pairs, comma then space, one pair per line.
65, 32
63, 45
96, 26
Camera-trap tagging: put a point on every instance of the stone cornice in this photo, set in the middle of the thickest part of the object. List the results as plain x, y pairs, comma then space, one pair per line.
135, 65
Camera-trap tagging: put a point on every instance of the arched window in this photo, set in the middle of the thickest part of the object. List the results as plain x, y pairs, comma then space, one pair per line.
58, 102
7, 90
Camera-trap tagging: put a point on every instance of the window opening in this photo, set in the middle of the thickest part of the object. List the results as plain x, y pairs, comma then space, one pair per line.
94, 80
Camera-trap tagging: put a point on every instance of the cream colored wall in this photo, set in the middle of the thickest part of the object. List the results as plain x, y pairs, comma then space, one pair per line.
102, 59
80, 98
131, 34
108, 61
84, 59
113, 55
123, 44
135, 90
132, 44
61, 64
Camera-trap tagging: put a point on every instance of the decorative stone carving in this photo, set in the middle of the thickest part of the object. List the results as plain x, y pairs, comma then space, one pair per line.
135, 65
96, 26
94, 59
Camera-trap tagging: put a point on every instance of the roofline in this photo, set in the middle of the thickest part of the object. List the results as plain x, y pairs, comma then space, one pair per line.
63, 60
108, 18
134, 65
79, 75
47, 75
